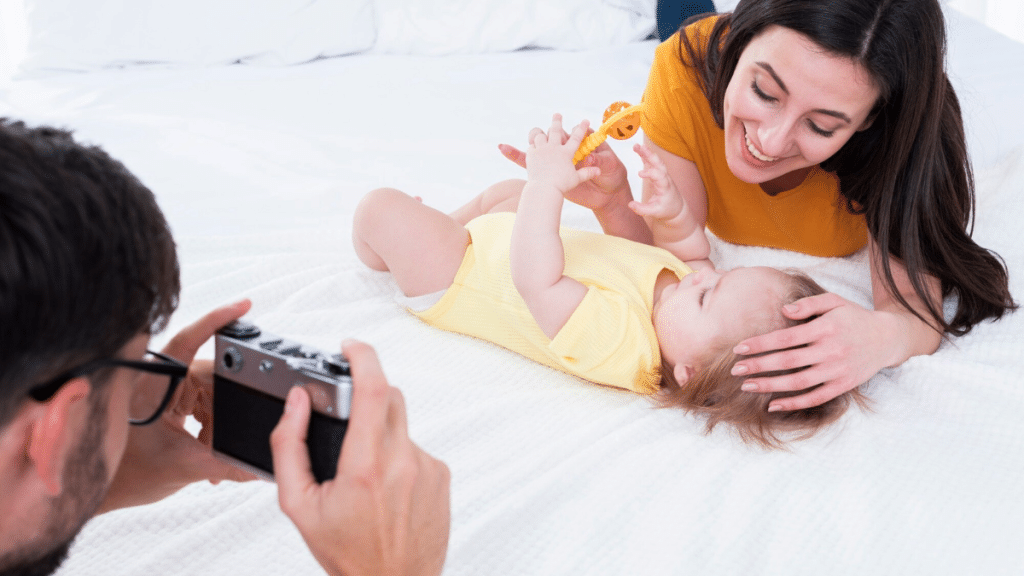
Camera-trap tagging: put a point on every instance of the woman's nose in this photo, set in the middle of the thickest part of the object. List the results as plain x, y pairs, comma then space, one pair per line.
774, 137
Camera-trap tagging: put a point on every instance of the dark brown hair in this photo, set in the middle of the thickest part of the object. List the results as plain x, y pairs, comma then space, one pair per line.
714, 393
908, 173
87, 261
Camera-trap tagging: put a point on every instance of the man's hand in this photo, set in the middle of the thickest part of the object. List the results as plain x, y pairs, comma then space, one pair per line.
162, 457
387, 510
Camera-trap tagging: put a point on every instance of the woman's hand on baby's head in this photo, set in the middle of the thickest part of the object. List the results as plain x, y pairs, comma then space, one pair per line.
549, 157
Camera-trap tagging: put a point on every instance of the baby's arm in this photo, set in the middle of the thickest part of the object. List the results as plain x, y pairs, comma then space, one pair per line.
673, 226
537, 257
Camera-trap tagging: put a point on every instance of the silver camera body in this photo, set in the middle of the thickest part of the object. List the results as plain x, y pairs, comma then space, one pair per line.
253, 372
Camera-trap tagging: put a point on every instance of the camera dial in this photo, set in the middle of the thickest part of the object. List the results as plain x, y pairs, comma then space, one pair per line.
232, 359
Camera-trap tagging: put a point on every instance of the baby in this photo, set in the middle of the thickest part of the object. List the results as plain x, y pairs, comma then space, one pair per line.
605, 309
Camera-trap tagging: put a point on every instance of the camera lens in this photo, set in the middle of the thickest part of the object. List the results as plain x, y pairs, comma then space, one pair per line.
232, 359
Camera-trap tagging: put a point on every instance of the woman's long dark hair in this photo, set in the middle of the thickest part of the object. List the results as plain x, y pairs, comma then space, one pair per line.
908, 173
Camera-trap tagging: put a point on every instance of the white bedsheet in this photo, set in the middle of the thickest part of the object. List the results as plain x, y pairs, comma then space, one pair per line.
258, 171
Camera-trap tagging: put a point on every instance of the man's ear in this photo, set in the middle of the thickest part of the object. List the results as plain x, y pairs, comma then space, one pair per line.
55, 431
682, 373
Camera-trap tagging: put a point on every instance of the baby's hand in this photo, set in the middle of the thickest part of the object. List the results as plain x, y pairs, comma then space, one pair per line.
549, 157
665, 201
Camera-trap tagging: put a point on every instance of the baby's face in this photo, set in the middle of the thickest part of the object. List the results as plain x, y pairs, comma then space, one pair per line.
708, 309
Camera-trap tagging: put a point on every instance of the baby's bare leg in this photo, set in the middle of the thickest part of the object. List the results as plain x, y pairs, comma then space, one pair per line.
500, 197
421, 247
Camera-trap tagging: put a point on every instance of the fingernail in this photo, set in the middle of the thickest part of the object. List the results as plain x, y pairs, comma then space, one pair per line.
774, 408
741, 349
747, 387
348, 342
291, 399
790, 308
739, 369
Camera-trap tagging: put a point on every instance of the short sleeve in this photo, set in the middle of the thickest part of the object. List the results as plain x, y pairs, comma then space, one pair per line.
666, 117
610, 341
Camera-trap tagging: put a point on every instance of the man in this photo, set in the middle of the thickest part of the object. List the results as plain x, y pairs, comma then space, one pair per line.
90, 421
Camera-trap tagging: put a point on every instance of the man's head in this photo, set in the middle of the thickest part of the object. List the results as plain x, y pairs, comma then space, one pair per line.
88, 271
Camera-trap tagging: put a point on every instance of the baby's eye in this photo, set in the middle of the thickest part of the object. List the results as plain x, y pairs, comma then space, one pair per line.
700, 299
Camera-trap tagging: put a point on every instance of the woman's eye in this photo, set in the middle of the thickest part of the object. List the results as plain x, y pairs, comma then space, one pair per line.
819, 131
760, 93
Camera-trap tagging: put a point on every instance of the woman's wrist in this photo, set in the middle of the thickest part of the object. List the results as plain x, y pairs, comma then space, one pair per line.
905, 336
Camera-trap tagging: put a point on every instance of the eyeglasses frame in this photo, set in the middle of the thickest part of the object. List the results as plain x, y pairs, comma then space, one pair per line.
171, 367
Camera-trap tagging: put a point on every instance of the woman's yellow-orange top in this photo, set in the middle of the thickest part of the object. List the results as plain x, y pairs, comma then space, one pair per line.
811, 218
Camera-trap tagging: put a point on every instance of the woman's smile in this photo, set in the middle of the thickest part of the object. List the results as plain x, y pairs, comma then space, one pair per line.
790, 106
756, 156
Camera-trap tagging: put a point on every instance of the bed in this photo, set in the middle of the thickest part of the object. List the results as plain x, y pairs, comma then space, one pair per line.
259, 144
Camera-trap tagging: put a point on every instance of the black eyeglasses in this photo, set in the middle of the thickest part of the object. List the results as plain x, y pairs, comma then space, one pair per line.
146, 404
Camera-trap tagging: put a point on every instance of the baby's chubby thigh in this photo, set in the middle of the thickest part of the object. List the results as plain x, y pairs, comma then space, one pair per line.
421, 246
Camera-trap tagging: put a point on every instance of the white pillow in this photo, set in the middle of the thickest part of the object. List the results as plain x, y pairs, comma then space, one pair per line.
91, 34
438, 27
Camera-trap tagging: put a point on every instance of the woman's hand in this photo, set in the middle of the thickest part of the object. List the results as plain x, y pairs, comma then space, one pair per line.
609, 188
838, 351
162, 457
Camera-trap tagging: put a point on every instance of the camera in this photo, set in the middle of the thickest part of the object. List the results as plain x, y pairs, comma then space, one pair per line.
253, 372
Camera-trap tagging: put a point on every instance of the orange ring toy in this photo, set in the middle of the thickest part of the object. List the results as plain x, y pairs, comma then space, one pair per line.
620, 122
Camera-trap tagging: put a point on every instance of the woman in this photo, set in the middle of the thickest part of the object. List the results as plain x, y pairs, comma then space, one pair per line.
820, 126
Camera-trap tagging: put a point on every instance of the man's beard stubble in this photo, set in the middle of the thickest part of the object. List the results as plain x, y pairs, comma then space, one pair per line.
85, 486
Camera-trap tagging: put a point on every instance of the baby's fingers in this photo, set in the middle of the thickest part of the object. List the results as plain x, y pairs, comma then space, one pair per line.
649, 157
556, 129
657, 177
644, 208
581, 131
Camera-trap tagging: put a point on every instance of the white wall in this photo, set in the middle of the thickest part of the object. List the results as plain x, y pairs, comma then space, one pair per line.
13, 36
1006, 16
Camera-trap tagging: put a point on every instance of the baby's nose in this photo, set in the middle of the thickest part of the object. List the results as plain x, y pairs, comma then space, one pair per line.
701, 276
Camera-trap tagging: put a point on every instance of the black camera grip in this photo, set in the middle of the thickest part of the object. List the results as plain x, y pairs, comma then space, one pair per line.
245, 418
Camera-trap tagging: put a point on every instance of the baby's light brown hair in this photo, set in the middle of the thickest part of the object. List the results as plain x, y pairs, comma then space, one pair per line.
715, 393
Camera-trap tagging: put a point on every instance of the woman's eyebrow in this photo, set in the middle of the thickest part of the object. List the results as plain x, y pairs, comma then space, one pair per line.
834, 113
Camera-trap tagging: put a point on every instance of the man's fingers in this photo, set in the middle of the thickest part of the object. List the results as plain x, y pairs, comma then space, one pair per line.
372, 413
185, 343
292, 468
